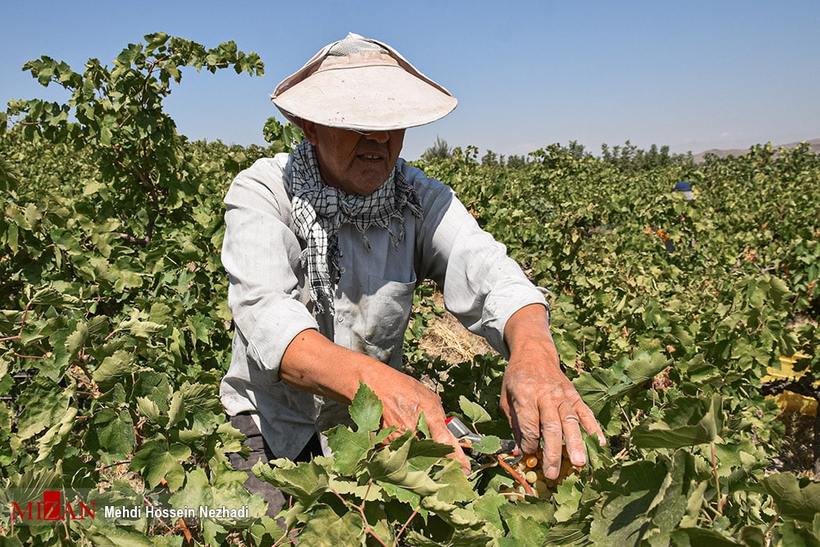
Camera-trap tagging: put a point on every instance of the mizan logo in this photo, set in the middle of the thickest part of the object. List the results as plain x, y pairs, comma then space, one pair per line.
52, 507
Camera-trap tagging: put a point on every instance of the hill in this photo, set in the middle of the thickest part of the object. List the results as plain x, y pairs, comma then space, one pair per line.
814, 146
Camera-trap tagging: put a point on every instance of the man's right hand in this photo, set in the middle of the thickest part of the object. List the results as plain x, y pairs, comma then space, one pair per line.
314, 363
404, 398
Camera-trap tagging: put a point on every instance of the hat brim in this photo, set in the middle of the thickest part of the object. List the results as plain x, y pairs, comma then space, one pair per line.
365, 98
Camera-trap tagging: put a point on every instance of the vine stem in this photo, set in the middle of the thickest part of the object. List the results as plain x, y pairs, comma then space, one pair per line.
279, 541
771, 525
717, 479
21, 356
185, 531
113, 465
515, 475
367, 527
23, 320
481, 468
366, 493
407, 522
626, 417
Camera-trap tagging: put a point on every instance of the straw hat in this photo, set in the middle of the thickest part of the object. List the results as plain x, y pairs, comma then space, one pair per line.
362, 84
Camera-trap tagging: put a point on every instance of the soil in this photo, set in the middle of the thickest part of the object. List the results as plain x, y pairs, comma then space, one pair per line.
448, 339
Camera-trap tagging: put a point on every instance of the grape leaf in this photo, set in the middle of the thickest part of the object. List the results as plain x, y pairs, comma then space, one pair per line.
366, 409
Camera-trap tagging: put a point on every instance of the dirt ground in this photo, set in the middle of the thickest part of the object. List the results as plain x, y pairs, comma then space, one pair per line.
445, 337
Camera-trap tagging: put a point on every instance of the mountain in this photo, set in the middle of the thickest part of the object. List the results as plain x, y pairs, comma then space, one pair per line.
814, 146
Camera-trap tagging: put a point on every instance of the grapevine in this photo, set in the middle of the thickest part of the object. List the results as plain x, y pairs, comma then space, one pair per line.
670, 316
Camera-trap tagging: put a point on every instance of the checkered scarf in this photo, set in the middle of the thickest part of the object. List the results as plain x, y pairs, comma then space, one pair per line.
319, 210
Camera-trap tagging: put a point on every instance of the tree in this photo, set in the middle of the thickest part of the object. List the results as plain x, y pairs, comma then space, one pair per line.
120, 120
439, 150
490, 158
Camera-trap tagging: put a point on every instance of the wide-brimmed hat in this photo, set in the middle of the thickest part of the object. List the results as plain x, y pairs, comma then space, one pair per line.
362, 84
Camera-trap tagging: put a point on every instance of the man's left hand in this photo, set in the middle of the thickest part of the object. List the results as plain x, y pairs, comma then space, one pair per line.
538, 399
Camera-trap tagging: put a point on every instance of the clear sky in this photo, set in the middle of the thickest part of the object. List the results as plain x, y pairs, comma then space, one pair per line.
693, 75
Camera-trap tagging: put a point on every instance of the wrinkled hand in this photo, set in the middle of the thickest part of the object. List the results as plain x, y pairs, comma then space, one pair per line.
314, 363
403, 399
541, 402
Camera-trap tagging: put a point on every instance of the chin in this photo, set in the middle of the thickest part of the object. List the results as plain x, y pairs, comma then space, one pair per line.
367, 183
364, 190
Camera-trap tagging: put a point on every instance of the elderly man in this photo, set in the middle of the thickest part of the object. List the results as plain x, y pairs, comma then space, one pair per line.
324, 247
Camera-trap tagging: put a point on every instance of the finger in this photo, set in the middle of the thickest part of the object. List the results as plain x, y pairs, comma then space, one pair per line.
571, 426
526, 427
442, 435
392, 437
551, 432
516, 431
589, 422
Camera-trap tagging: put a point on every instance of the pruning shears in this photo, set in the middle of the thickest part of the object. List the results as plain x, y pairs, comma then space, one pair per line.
466, 438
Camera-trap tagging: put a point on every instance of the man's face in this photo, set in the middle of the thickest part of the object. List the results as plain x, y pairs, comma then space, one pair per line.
354, 162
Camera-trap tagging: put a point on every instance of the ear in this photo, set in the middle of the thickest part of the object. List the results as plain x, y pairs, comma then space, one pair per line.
309, 129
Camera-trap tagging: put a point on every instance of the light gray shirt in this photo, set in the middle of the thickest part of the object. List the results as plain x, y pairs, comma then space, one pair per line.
270, 301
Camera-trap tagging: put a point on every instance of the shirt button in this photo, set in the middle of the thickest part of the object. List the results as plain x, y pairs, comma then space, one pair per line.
340, 319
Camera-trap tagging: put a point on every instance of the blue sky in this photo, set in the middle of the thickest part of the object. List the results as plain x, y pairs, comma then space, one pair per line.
693, 75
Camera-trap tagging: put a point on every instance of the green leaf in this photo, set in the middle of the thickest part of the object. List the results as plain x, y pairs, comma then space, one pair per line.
424, 453
689, 422
487, 507
105, 135
176, 410
753, 536
140, 328
157, 461
113, 432
645, 366
196, 491
793, 535
527, 524
573, 533
600, 386
12, 238
349, 448
366, 409
673, 506
454, 484
114, 366
109, 536
97, 326
797, 499
43, 408
701, 537
55, 435
474, 412
400, 494
623, 515
76, 339
422, 426
148, 408
307, 480
326, 529
567, 498
390, 466
489, 444
368, 492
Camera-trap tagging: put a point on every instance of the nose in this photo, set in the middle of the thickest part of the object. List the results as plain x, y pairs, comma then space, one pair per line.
380, 137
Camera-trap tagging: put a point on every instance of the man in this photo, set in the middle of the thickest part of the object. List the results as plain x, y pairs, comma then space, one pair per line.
324, 247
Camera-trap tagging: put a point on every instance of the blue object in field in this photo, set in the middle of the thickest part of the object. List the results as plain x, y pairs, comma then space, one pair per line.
686, 188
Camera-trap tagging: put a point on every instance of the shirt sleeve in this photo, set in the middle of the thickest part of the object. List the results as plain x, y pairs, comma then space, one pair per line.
261, 256
482, 286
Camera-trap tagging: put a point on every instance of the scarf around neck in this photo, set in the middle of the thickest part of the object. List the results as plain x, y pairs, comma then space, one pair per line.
319, 210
